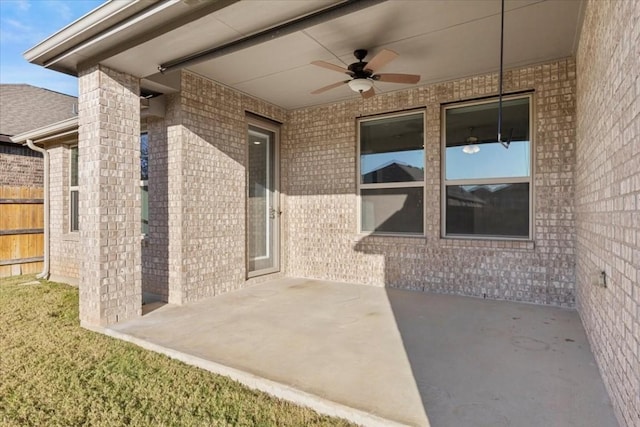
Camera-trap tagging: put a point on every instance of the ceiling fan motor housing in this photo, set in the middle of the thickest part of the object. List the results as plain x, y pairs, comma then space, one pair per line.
358, 68
358, 71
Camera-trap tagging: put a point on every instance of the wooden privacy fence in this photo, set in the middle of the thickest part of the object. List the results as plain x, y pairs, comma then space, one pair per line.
21, 230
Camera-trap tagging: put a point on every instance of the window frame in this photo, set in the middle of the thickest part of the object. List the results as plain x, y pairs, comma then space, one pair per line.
72, 189
378, 186
486, 181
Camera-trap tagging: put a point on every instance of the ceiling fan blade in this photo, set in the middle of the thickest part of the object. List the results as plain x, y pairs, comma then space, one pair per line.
368, 94
397, 78
381, 59
330, 66
329, 87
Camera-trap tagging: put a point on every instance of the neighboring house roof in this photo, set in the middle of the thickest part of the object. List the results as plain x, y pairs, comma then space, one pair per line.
24, 107
394, 171
459, 196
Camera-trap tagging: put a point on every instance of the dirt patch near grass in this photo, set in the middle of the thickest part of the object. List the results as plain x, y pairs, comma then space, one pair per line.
52, 372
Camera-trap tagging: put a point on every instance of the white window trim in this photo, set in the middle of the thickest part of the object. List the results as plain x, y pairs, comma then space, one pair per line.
360, 186
515, 180
73, 188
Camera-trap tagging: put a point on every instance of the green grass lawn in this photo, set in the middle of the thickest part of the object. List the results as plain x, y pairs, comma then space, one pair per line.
52, 372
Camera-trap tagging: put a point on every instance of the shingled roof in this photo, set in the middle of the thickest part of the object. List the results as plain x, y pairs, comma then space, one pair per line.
24, 107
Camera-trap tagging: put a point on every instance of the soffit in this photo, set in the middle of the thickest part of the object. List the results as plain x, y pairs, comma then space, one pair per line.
438, 39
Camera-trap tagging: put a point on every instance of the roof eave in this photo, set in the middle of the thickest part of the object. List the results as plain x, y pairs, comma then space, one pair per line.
79, 31
53, 130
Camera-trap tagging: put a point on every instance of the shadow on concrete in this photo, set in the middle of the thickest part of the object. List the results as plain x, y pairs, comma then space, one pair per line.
404, 357
495, 363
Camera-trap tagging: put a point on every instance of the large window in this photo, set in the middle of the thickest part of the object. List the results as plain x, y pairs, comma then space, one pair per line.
73, 190
487, 184
391, 168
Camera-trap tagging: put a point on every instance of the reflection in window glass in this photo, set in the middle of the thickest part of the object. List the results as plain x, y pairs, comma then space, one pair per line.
144, 157
396, 167
491, 161
392, 174
392, 210
487, 184
144, 181
74, 221
473, 151
392, 149
74, 166
74, 215
144, 205
489, 210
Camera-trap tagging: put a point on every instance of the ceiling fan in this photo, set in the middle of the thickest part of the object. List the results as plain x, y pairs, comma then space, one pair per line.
363, 73
472, 143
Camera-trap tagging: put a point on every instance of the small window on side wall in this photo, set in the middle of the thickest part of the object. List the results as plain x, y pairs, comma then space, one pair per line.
73, 190
144, 181
487, 184
391, 182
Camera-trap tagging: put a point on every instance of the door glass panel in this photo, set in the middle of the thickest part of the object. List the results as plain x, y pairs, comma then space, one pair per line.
262, 209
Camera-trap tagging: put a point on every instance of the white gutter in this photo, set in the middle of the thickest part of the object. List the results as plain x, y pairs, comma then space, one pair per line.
55, 130
61, 128
89, 25
112, 31
45, 154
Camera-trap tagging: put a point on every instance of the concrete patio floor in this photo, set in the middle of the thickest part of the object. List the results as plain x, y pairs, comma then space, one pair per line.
386, 356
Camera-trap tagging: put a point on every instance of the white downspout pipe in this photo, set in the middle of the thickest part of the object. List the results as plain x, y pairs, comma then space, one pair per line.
45, 154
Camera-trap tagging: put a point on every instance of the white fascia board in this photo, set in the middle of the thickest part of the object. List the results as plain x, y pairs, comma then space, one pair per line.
74, 35
60, 128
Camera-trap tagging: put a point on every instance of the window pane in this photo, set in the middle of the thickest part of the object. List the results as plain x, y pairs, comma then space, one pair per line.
491, 161
500, 210
144, 202
74, 166
144, 157
392, 210
392, 149
473, 151
73, 222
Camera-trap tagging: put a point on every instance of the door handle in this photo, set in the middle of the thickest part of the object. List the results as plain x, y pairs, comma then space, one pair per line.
272, 212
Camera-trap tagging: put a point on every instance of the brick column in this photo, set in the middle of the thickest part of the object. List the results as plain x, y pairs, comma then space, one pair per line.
109, 186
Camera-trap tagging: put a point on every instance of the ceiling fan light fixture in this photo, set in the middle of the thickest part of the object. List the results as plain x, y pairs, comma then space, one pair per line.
360, 85
470, 149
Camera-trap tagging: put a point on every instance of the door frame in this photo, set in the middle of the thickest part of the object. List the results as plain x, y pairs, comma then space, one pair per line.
267, 125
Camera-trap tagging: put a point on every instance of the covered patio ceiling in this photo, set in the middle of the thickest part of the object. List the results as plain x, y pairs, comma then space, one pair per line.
439, 40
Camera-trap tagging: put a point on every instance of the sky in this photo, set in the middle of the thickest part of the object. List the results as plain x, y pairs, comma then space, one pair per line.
24, 24
492, 161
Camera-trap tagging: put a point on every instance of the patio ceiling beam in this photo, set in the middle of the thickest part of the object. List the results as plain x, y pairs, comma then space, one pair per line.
269, 34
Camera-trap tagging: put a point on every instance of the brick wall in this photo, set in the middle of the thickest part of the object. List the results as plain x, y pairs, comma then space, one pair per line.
64, 246
319, 174
109, 196
162, 262
201, 146
20, 167
608, 196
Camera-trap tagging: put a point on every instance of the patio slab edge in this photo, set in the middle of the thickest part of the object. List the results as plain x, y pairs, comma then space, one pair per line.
273, 388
